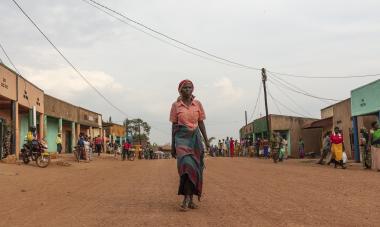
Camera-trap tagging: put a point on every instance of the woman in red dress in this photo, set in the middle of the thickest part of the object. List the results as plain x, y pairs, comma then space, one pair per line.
232, 147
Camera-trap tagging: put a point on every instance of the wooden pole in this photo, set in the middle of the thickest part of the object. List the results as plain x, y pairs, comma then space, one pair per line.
264, 79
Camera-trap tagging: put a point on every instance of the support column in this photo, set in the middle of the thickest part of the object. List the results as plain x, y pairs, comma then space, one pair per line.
356, 139
73, 133
60, 123
45, 126
41, 128
30, 122
77, 130
103, 132
15, 130
91, 134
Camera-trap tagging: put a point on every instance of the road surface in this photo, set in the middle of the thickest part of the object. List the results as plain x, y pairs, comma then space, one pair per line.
237, 192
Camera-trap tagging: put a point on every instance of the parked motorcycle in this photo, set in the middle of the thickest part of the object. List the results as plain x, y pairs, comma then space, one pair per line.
35, 151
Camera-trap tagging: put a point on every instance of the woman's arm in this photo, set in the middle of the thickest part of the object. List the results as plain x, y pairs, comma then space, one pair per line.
202, 127
174, 152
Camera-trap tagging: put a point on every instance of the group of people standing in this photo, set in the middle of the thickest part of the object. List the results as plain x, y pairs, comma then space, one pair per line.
226, 148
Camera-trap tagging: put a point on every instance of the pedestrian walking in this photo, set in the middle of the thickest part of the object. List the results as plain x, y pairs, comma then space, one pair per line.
365, 152
187, 116
220, 148
265, 148
285, 147
232, 147
224, 148
337, 148
275, 146
227, 141
326, 149
87, 145
58, 141
257, 147
125, 152
301, 148
375, 146
281, 154
98, 144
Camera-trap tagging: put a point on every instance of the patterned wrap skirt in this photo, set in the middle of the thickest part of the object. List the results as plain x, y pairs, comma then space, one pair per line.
190, 157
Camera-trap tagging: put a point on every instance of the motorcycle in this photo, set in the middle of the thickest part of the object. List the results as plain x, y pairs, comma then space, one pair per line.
35, 151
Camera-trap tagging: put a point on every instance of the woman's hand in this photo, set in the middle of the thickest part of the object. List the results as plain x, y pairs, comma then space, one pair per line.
207, 145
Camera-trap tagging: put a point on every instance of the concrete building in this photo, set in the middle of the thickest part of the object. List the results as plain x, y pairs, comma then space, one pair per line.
60, 117
30, 106
339, 115
365, 108
115, 132
8, 106
246, 132
22, 104
290, 128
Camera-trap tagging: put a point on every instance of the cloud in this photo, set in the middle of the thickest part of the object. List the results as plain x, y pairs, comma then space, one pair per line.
228, 90
66, 84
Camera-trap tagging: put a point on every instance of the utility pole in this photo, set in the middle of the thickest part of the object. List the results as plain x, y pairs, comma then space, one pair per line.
264, 79
246, 119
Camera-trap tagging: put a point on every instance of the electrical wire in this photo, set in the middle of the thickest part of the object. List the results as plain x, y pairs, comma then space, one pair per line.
286, 107
67, 60
70, 64
9, 59
257, 100
291, 99
174, 39
324, 77
275, 103
213, 55
156, 37
281, 80
300, 92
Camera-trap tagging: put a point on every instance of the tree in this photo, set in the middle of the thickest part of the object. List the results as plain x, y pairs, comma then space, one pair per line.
138, 129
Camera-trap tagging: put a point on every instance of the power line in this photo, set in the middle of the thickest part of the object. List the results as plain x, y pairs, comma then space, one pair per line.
257, 101
156, 37
174, 39
300, 92
275, 103
67, 60
9, 59
277, 78
324, 77
291, 99
215, 56
286, 107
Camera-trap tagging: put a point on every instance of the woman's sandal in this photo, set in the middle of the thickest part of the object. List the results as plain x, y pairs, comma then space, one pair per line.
185, 205
192, 205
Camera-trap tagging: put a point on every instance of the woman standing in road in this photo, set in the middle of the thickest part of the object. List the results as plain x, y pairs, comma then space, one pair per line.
232, 147
187, 116
337, 147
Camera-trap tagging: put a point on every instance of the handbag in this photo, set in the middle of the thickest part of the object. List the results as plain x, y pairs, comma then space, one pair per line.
344, 157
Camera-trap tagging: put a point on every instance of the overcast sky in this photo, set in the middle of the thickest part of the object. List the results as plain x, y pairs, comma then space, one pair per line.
140, 74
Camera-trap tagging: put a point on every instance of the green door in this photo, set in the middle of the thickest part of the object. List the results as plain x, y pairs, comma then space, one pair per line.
24, 128
52, 132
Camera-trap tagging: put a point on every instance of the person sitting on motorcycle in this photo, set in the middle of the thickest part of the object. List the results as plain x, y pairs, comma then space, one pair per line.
32, 137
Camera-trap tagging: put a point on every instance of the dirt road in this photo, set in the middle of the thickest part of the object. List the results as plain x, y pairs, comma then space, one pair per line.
237, 192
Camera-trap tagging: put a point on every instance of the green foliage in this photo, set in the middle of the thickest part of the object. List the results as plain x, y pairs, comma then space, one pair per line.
138, 128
